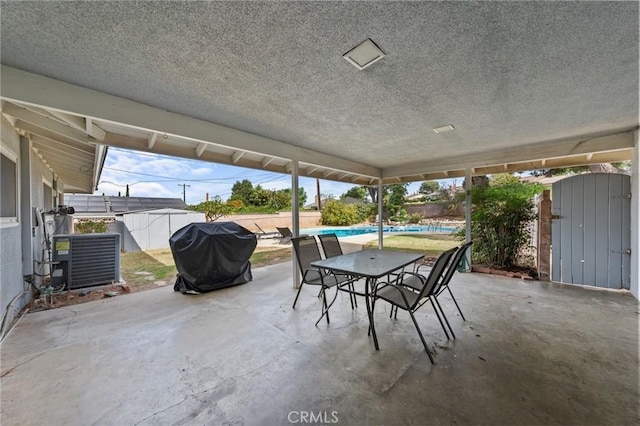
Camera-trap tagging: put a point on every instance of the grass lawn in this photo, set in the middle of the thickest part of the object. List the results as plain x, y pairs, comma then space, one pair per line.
144, 267
430, 244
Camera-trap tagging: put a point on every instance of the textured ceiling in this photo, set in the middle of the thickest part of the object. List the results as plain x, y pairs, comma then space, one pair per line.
503, 73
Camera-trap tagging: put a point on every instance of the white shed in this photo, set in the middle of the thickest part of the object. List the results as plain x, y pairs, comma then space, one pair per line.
151, 229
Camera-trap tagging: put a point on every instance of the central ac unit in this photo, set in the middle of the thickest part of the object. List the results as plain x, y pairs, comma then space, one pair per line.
85, 260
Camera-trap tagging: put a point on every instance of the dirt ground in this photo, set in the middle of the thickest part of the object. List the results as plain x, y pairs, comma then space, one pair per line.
74, 297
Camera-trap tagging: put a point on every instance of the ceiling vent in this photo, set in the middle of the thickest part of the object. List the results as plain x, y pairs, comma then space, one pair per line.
365, 54
444, 129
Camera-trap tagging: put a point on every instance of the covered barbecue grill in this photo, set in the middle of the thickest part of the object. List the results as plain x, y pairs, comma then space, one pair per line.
213, 255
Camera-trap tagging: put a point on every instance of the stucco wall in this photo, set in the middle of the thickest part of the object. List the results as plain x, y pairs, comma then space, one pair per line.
269, 222
433, 209
13, 290
11, 282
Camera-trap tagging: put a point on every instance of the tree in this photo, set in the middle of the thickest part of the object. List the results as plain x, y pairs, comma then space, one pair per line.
621, 167
503, 179
357, 192
429, 186
213, 209
373, 192
395, 201
259, 197
302, 196
242, 190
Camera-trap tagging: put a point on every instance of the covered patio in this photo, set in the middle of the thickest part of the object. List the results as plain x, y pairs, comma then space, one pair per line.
462, 89
530, 353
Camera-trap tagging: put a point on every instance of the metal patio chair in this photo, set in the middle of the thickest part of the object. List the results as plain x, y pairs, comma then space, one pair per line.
263, 234
405, 298
307, 251
286, 235
331, 247
415, 283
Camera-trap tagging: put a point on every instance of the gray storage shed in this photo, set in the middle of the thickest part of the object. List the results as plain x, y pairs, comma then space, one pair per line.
151, 229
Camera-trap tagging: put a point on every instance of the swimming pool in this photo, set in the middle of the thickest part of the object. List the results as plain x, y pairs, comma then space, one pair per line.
359, 230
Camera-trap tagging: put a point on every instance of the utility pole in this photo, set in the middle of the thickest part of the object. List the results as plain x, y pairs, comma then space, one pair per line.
318, 198
184, 191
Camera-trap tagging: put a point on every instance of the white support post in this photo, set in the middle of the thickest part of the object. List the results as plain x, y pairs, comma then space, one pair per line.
635, 218
26, 211
295, 219
467, 212
380, 211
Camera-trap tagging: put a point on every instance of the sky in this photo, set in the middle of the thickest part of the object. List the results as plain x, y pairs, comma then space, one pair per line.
153, 175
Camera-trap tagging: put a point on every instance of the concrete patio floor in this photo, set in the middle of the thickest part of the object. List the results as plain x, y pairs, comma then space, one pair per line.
530, 353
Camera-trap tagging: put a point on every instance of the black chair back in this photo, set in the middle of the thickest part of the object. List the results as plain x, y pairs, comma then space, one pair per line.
330, 245
453, 266
307, 251
436, 274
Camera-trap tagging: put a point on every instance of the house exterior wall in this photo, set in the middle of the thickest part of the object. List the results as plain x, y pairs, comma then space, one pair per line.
11, 282
23, 242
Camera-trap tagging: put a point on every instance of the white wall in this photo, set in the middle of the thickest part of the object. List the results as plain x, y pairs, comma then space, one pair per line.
14, 292
635, 217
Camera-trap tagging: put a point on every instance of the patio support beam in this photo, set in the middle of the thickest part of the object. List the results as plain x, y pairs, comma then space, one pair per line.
152, 140
28, 88
295, 219
380, 211
635, 218
202, 147
236, 156
36, 119
79, 123
100, 156
467, 211
534, 152
266, 161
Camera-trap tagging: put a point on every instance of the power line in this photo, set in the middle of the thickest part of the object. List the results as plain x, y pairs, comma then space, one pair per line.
172, 179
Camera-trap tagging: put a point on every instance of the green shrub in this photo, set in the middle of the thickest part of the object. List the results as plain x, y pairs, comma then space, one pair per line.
366, 211
91, 227
340, 214
414, 218
397, 214
499, 222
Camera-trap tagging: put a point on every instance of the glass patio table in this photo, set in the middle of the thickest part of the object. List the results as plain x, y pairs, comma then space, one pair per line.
370, 265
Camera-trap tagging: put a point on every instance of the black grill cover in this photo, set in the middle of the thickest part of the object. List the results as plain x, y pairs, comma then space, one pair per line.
213, 255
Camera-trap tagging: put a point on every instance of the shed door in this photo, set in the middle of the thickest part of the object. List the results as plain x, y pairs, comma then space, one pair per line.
590, 232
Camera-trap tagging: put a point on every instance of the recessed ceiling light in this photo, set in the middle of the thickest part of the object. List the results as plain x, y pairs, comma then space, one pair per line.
364, 54
444, 129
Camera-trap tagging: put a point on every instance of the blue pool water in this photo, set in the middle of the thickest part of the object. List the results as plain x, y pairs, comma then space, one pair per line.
359, 230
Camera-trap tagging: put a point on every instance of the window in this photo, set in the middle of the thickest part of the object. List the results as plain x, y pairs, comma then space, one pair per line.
9, 189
